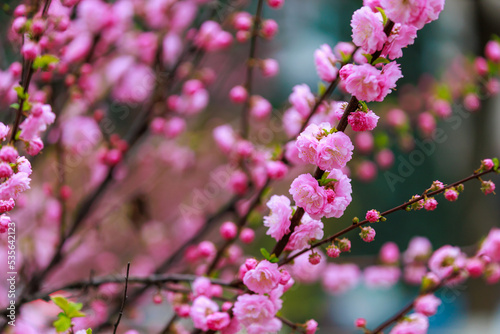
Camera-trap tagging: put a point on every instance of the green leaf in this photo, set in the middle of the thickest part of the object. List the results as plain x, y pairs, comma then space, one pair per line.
443, 92
381, 60
382, 11
15, 105
368, 57
326, 181
20, 92
495, 163
265, 253
70, 309
18, 134
26, 105
89, 331
345, 57
63, 323
274, 260
44, 61
321, 89
381, 140
364, 107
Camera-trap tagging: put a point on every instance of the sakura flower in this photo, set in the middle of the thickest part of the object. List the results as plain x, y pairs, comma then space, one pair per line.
413, 12
368, 30
37, 121
309, 195
257, 314
263, 278
447, 260
363, 121
324, 59
491, 245
302, 99
427, 304
334, 151
415, 323
308, 230
278, 221
339, 278
381, 276
201, 308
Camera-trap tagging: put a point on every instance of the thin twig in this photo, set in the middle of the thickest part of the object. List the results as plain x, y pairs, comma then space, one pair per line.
123, 301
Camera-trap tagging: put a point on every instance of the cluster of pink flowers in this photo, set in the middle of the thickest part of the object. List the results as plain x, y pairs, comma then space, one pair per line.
318, 201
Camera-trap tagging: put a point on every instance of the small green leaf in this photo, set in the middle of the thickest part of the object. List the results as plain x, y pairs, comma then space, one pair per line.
364, 107
382, 11
70, 309
18, 134
15, 105
495, 163
345, 57
63, 323
381, 60
321, 89
368, 57
89, 331
326, 181
274, 260
443, 92
20, 92
265, 253
44, 61
381, 140
26, 106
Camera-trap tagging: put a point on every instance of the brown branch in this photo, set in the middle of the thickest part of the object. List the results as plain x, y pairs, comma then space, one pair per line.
383, 214
250, 68
123, 301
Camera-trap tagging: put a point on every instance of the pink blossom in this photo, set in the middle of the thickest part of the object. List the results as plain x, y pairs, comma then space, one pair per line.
242, 21
413, 12
15, 185
367, 234
238, 182
414, 273
8, 154
368, 83
488, 187
332, 251
491, 245
492, 51
276, 4
492, 273
389, 253
260, 108
385, 158
344, 245
211, 37
307, 142
276, 170
201, 308
324, 59
7, 205
5, 170
427, 304
224, 137
228, 230
302, 99
419, 249
487, 164
363, 121
34, 146
238, 94
30, 50
80, 134
366, 171
269, 28
397, 118
338, 194
340, 278
263, 278
309, 195
256, 313
218, 320
372, 216
343, 50
364, 142
308, 230
368, 30
381, 276
314, 258
311, 326
415, 323
135, 85
447, 260
269, 68
430, 204
451, 194
201, 287
472, 102
475, 266
247, 235
401, 36
41, 116
360, 322
278, 220
334, 151
172, 48
4, 131
207, 249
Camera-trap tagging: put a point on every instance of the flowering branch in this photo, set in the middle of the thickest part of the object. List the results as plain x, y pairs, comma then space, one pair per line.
123, 301
383, 214
250, 69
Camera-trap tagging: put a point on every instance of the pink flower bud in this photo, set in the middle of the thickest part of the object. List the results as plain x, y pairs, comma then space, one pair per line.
451, 194
157, 298
269, 67
113, 157
314, 258
360, 323
332, 251
269, 28
389, 253
218, 320
492, 51
18, 24
260, 108
5, 170
472, 102
285, 277
247, 235
364, 142
207, 249
242, 21
430, 204
372, 216
487, 187
8, 154
238, 94
493, 86
311, 326
228, 230
20, 10
157, 125
238, 182
15, 68
426, 123
38, 26
397, 118
242, 36
276, 170
6, 206
344, 245
182, 310
385, 158
174, 127
475, 267
65, 192
481, 66
427, 304
30, 50
226, 306
276, 4
487, 164
367, 234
